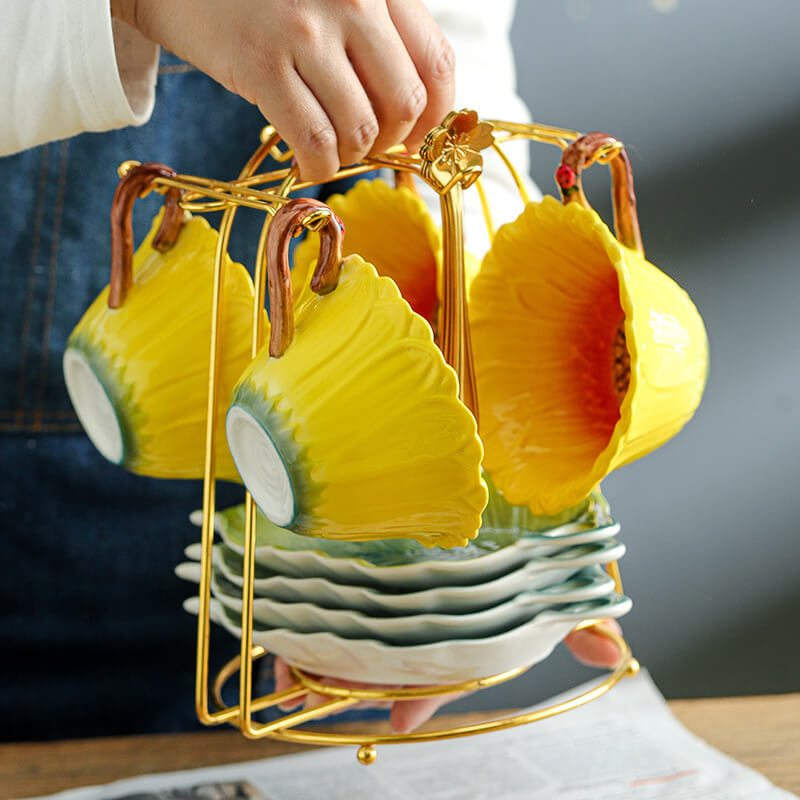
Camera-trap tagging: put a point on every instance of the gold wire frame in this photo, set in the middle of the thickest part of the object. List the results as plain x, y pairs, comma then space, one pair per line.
449, 161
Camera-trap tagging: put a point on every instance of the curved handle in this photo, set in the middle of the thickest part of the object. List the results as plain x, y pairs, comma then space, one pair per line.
583, 152
291, 220
136, 182
171, 222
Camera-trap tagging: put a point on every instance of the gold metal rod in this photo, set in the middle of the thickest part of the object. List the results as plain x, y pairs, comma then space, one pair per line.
406, 693
370, 166
613, 570
487, 211
454, 323
523, 192
297, 718
276, 698
255, 198
628, 667
248, 567
248, 582
206, 207
209, 467
231, 668
394, 158
542, 133
343, 173
246, 704
209, 480
259, 704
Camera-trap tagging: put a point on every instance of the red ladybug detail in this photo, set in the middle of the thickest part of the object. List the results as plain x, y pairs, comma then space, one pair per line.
566, 177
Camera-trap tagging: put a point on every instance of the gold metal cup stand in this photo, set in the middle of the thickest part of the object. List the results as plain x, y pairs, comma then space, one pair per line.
450, 161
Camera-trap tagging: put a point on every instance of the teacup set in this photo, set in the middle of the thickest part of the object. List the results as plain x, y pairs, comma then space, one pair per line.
416, 522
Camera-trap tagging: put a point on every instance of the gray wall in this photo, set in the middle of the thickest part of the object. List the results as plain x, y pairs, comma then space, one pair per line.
706, 95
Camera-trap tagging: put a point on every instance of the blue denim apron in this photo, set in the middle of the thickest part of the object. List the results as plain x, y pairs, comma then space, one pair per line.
94, 639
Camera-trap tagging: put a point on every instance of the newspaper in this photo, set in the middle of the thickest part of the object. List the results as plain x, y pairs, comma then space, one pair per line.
627, 744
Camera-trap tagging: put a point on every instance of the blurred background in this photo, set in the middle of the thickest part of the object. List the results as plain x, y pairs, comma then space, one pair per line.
706, 96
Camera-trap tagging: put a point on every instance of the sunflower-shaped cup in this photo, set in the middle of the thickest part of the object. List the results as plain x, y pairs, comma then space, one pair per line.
349, 425
392, 229
587, 356
137, 373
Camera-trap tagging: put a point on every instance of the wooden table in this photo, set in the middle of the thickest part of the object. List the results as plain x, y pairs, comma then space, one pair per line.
762, 732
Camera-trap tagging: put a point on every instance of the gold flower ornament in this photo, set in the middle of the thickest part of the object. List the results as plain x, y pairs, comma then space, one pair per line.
451, 152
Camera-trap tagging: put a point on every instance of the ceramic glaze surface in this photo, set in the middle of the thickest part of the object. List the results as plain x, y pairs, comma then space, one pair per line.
151, 357
365, 415
405, 565
501, 526
392, 230
414, 629
587, 356
444, 661
327, 593
424, 574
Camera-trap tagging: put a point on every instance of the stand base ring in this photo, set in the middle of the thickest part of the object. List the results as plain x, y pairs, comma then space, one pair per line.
627, 667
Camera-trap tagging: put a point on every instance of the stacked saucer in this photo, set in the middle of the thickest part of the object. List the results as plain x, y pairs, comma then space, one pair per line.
394, 611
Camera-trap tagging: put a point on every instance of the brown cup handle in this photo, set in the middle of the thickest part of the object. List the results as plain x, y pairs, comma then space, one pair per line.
585, 150
171, 222
132, 185
291, 220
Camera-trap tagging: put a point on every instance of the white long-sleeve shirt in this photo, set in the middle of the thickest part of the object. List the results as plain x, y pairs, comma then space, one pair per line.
67, 67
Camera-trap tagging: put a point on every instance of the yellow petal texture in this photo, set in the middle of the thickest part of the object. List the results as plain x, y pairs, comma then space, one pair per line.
151, 355
364, 421
558, 408
392, 230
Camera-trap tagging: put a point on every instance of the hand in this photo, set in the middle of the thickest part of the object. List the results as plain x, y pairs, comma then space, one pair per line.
337, 78
588, 647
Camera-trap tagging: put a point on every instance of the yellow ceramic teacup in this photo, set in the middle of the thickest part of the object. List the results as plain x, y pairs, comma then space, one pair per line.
392, 229
349, 426
587, 356
137, 374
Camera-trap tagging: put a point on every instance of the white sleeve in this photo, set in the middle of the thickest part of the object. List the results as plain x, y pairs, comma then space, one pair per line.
486, 82
66, 68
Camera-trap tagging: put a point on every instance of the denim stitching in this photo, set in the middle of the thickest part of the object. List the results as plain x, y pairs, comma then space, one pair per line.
55, 244
41, 185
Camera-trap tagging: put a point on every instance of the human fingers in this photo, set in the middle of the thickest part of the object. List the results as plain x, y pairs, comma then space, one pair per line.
407, 715
433, 58
381, 59
338, 90
302, 122
283, 680
251, 47
314, 699
594, 649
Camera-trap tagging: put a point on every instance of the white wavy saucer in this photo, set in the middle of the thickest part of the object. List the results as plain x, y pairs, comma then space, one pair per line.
455, 599
415, 629
445, 661
536, 574
424, 574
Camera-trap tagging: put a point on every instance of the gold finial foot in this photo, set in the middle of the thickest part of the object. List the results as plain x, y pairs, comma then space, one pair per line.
367, 754
633, 668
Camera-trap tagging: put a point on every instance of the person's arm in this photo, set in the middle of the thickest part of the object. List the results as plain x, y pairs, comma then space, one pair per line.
337, 78
67, 69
